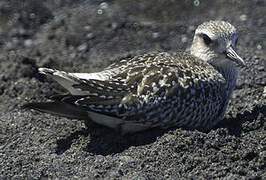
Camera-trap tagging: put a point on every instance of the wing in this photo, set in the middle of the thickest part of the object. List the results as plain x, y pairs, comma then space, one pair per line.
145, 91
148, 88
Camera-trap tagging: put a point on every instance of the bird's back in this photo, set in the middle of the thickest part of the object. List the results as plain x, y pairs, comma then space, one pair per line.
159, 90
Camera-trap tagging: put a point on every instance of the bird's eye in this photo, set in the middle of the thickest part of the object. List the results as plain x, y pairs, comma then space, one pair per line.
207, 39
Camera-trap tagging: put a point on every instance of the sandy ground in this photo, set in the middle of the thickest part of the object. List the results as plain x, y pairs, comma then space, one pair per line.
85, 36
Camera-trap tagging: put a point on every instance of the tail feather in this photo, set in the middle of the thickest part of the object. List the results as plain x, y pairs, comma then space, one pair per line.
66, 80
70, 111
58, 108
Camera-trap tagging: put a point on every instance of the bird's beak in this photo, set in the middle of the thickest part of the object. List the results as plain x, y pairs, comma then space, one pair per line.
230, 53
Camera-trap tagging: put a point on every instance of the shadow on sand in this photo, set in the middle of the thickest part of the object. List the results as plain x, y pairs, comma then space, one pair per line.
106, 141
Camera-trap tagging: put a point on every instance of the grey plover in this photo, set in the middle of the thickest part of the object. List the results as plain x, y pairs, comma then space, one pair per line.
155, 90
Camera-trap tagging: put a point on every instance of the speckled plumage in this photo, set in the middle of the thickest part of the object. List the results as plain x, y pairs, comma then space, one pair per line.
157, 90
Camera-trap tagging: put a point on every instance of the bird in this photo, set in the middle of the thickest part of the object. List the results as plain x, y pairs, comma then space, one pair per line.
163, 90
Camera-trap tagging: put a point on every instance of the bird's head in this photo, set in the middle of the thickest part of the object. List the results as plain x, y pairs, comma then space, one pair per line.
216, 40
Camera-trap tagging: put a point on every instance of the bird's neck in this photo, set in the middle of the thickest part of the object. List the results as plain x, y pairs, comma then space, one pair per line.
227, 68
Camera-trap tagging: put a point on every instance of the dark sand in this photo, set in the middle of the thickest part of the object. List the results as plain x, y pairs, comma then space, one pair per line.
85, 37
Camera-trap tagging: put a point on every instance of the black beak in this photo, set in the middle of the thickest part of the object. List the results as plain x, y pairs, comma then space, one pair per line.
231, 54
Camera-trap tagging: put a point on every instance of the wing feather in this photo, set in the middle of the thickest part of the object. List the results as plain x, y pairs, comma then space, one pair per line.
139, 89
